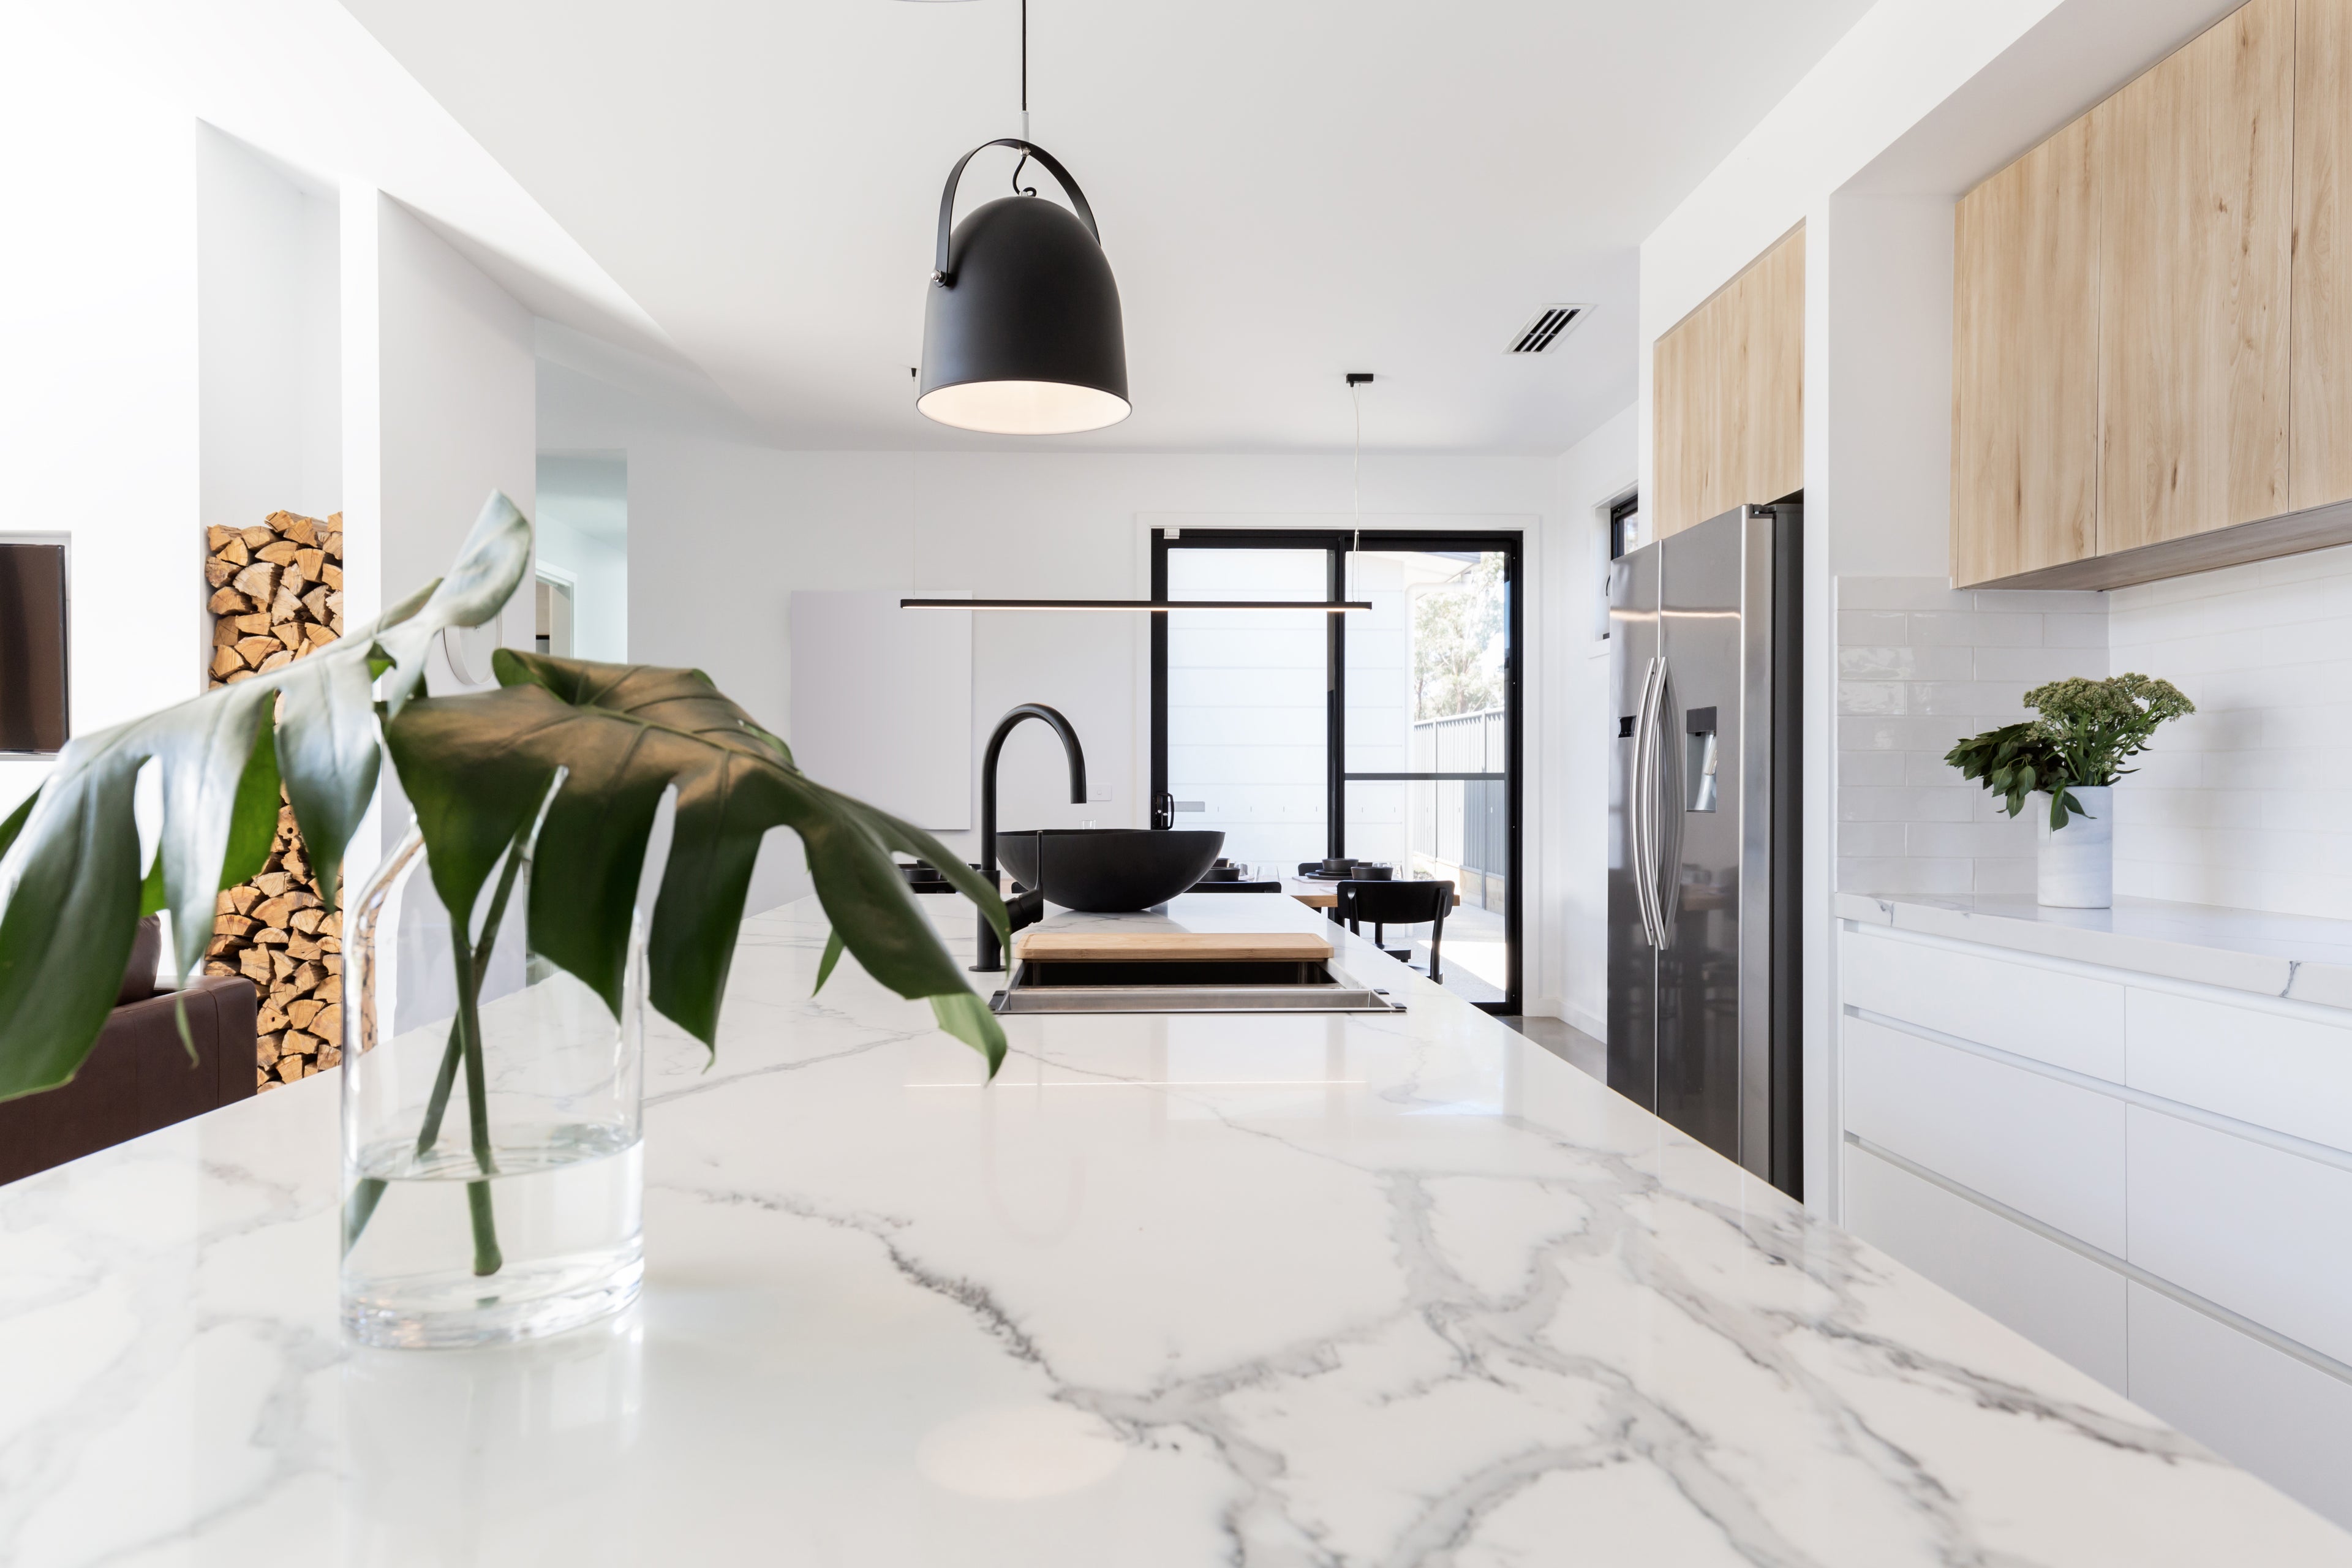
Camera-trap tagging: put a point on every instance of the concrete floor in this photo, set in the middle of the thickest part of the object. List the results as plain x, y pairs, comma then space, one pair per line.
1570, 1044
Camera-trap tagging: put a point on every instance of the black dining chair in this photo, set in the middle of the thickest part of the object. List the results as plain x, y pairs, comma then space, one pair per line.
1393, 903
1236, 888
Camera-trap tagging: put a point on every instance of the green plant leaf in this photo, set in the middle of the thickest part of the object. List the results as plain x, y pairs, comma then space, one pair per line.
71, 865
475, 765
833, 947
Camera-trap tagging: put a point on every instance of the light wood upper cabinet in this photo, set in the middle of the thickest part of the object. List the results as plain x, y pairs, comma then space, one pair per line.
2026, 364
2320, 334
1728, 385
2195, 174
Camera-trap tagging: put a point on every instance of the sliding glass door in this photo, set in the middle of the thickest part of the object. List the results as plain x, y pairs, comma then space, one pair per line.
1390, 736
1246, 710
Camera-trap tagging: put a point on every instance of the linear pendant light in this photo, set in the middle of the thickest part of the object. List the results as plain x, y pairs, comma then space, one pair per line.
1023, 335
1143, 606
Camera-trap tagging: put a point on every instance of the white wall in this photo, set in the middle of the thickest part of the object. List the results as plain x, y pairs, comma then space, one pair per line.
2242, 804
723, 529
108, 417
97, 332
1569, 925
269, 347
584, 538
439, 361
1921, 666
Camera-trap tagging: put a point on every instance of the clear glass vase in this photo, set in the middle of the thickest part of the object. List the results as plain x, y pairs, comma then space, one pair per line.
493, 1177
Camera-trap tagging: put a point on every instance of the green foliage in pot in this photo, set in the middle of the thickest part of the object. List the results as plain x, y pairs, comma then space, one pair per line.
478, 768
2087, 729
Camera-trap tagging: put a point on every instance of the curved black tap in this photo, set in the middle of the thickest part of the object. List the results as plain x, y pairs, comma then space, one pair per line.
991, 956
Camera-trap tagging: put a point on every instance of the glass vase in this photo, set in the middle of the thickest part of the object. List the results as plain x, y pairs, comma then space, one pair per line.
493, 1176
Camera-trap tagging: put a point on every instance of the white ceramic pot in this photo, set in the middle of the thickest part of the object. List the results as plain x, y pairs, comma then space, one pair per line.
2077, 870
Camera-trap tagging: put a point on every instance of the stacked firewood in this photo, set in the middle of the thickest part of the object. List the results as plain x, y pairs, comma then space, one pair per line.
278, 594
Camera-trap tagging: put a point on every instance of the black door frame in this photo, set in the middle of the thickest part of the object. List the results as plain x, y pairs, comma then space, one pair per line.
1336, 543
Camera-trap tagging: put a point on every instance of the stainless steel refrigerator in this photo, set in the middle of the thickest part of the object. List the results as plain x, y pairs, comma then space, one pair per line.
1704, 875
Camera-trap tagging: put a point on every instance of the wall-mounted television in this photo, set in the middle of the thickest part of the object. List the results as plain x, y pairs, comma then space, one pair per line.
32, 648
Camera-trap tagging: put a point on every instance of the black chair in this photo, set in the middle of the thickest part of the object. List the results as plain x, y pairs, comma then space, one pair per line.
1395, 903
1236, 887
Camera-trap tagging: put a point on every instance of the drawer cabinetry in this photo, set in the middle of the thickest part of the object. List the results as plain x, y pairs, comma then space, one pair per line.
2148, 1175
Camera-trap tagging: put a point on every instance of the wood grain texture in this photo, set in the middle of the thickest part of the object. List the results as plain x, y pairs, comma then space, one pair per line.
2196, 177
1197, 947
2317, 528
1727, 384
2026, 364
2319, 355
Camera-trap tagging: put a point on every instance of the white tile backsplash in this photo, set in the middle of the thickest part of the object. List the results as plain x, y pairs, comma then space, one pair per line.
2245, 802
1920, 667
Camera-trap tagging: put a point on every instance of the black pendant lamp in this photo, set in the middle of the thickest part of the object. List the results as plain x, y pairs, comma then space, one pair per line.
1023, 334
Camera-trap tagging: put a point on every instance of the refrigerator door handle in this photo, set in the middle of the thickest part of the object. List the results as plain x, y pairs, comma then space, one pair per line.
1644, 803
1667, 758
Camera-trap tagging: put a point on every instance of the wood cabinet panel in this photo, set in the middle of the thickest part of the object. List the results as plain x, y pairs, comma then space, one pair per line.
2320, 334
1728, 423
2194, 163
2026, 364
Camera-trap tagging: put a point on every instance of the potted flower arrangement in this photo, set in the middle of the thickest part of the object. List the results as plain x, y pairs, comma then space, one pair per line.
2073, 754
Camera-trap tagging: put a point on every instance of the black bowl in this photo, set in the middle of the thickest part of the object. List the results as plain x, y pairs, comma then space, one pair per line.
1109, 870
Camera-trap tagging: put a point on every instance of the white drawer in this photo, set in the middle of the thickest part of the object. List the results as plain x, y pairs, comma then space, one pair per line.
2286, 1421
2291, 1074
2059, 1298
2067, 1020
2048, 1149
2259, 1230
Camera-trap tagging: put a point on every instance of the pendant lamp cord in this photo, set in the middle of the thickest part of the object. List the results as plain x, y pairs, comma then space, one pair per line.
1356, 482
1017, 189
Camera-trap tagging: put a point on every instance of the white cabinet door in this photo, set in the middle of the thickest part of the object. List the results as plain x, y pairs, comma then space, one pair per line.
2260, 1231
2059, 1298
2068, 1020
2284, 1420
2289, 1073
2048, 1149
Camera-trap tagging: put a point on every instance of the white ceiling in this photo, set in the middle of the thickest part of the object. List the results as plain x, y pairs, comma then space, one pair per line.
1287, 189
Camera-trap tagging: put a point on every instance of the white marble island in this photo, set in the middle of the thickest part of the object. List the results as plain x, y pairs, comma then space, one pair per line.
1302, 1290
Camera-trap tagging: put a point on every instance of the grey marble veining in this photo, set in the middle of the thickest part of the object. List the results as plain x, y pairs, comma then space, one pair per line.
1377, 1291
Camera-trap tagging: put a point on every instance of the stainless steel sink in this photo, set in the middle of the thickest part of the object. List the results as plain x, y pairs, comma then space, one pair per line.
1188, 988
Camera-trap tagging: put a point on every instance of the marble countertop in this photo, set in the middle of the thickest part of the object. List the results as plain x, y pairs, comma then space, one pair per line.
2300, 957
1319, 1289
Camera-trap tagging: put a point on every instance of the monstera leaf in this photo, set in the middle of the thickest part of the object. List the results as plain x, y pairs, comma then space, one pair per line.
477, 769
69, 857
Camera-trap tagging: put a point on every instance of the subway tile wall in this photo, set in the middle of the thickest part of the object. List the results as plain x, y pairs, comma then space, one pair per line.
1921, 666
2245, 802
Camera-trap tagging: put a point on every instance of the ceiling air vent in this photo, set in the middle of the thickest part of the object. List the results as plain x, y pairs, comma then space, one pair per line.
1552, 323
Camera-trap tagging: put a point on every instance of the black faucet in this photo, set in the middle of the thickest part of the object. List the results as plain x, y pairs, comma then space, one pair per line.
1032, 903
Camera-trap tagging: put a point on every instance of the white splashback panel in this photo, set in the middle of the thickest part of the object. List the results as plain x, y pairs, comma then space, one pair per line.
882, 702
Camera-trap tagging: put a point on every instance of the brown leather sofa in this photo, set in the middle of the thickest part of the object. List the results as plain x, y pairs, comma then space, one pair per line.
138, 1077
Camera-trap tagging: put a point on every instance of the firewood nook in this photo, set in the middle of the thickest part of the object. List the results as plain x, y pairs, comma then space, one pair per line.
278, 594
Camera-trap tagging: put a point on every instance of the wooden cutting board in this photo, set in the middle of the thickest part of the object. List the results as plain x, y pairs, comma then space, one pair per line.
1170, 946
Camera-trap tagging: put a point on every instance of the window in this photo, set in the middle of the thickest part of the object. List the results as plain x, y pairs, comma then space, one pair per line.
1624, 525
